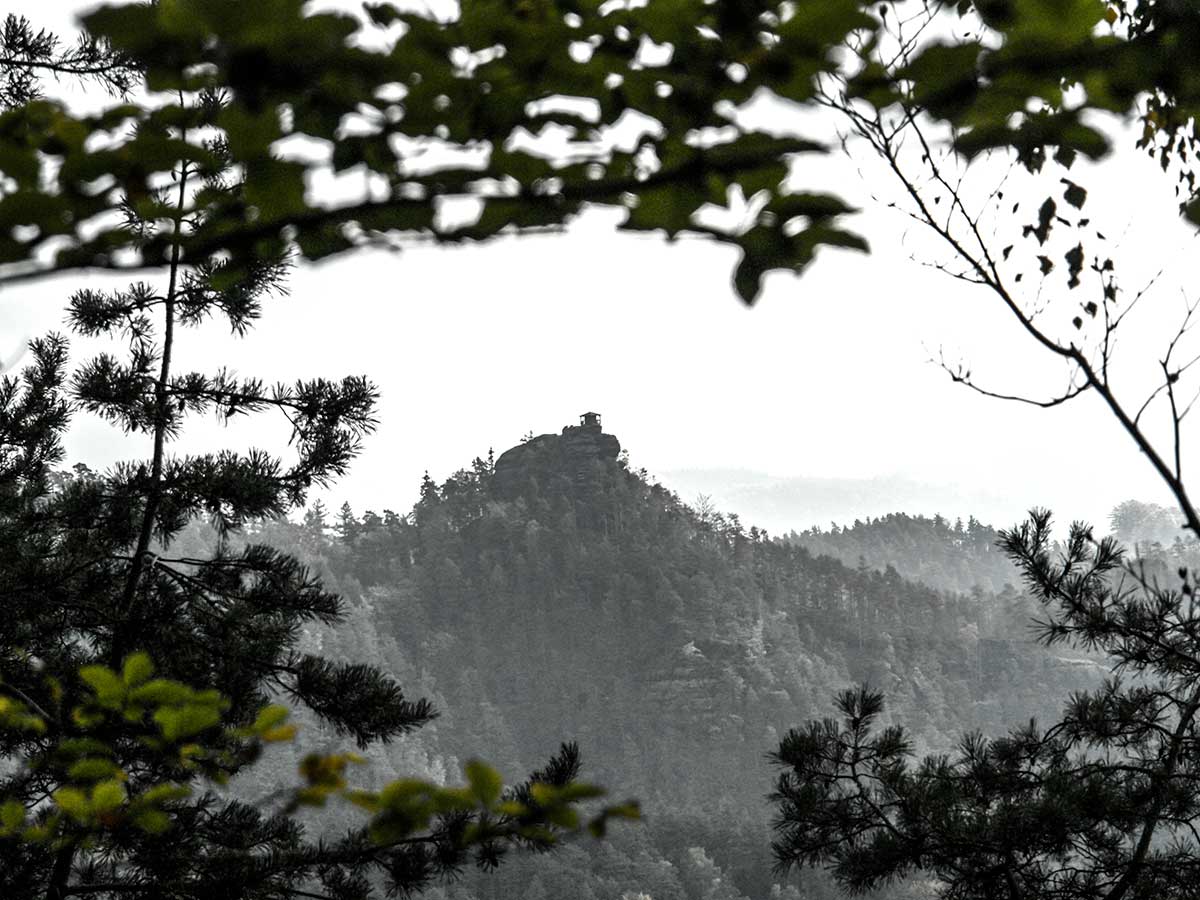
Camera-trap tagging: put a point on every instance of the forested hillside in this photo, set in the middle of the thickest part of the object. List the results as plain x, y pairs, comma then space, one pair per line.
689, 643
949, 557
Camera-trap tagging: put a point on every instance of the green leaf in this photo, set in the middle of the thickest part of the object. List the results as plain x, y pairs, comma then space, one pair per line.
1030, 138
269, 717
276, 188
814, 206
73, 802
1061, 22
14, 714
137, 669
104, 682
92, 769
484, 781
152, 821
83, 746
817, 25
834, 237
767, 247
278, 734
1046, 214
28, 207
1075, 195
669, 207
86, 718
107, 795
164, 793
160, 692
250, 133
12, 816
945, 78
186, 721
628, 810
566, 817
1074, 258
579, 790
1191, 211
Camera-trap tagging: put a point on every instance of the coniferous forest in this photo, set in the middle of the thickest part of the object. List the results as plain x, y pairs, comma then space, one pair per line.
688, 642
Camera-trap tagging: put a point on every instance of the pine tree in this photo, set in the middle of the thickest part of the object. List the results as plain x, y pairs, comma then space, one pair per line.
316, 517
429, 490
347, 524
29, 54
94, 580
1103, 803
132, 676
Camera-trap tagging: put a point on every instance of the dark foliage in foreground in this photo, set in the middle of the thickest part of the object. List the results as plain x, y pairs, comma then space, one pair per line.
1100, 804
110, 784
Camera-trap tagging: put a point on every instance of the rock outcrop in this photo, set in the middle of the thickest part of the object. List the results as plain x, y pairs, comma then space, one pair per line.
580, 454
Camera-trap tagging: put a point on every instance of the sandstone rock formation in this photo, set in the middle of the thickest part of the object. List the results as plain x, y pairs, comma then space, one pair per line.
579, 454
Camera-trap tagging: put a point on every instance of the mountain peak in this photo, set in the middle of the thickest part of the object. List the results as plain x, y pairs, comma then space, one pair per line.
579, 453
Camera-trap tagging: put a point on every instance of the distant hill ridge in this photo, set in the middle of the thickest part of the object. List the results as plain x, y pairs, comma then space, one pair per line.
958, 556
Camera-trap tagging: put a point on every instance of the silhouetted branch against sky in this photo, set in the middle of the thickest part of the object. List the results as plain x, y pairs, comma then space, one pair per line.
977, 230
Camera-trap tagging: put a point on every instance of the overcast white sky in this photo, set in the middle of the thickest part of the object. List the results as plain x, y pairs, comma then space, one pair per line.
828, 377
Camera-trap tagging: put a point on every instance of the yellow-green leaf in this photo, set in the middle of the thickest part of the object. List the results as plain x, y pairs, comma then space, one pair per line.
137, 669
12, 815
107, 795
93, 769
103, 681
73, 802
485, 782
154, 821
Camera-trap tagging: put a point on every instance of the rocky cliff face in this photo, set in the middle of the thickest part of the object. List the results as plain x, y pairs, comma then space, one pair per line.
580, 453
